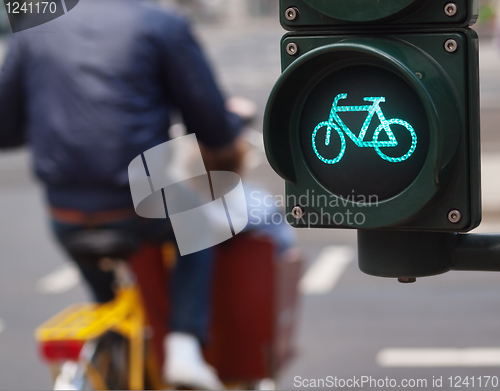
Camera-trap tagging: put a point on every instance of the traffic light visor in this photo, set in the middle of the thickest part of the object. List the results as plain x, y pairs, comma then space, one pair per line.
363, 10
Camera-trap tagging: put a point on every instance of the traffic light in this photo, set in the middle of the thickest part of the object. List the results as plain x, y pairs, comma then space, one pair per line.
374, 122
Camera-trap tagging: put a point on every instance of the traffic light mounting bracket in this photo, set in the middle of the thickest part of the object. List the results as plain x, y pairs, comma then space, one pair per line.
408, 255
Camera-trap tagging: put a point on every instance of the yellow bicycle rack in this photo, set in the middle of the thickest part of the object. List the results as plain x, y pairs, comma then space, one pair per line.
87, 322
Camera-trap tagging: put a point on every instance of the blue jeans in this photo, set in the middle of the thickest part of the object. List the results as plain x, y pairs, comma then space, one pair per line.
192, 276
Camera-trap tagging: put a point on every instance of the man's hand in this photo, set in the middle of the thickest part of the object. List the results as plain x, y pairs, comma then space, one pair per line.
229, 158
243, 107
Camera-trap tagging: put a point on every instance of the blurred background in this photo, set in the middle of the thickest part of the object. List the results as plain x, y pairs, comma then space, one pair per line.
345, 329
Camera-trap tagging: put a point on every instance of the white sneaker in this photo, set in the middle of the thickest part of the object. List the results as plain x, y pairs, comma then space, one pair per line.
185, 365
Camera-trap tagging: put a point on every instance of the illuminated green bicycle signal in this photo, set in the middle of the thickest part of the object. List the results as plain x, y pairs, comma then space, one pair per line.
385, 125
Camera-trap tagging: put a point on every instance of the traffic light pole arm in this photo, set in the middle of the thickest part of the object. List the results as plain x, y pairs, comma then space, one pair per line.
476, 252
402, 254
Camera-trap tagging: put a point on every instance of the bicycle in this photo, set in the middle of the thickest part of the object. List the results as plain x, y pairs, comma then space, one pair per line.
359, 140
117, 345
101, 346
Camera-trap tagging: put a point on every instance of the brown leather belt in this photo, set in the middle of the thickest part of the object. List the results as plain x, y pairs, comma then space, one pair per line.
72, 216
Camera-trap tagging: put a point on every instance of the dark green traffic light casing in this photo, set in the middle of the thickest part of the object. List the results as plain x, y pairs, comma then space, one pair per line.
374, 125
345, 14
421, 91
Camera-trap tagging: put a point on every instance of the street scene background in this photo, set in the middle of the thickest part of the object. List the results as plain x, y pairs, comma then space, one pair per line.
348, 329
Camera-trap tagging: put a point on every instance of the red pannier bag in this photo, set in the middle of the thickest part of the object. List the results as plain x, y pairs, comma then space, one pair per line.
254, 311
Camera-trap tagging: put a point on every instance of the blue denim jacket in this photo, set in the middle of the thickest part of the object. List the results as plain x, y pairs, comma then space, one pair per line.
94, 88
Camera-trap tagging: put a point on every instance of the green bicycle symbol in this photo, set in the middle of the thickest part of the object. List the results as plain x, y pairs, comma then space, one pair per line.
385, 125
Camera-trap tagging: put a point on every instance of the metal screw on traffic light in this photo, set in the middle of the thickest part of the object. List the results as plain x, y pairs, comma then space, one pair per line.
297, 212
451, 46
455, 216
292, 13
450, 9
292, 49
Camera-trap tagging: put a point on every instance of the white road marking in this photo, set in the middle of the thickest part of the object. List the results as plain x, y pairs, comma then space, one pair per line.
2, 325
435, 357
60, 280
324, 273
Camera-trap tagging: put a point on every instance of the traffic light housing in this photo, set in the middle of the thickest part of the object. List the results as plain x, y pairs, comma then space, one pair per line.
409, 14
374, 122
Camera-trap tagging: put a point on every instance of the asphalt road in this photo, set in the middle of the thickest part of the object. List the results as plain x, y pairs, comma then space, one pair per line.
345, 330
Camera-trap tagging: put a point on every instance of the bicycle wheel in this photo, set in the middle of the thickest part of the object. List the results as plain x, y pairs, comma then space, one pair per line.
104, 365
393, 143
111, 360
329, 126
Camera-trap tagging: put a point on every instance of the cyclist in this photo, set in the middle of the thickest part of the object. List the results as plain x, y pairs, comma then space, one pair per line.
90, 91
